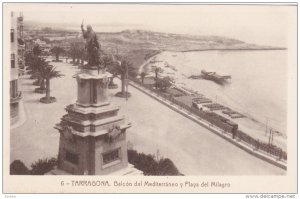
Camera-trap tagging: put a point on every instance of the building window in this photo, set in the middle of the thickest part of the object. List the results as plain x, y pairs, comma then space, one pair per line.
12, 35
13, 88
21, 31
12, 60
111, 156
72, 157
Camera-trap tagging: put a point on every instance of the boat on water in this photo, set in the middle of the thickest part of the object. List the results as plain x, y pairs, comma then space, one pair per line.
220, 79
213, 76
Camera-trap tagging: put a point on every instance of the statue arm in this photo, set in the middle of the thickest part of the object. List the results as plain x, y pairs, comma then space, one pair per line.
83, 31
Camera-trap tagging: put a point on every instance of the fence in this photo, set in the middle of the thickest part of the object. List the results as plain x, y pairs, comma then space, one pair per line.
216, 121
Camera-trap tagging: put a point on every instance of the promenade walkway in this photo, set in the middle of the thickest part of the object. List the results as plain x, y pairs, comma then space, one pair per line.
243, 145
156, 128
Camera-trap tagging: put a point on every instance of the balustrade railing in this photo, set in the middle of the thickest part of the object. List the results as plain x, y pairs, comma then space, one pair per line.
226, 128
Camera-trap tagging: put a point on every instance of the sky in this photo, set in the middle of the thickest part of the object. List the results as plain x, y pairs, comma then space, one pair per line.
259, 24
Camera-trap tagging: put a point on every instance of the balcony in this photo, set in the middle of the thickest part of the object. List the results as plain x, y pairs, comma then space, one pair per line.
17, 98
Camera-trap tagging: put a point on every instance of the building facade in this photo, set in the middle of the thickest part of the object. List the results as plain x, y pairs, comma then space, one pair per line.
17, 51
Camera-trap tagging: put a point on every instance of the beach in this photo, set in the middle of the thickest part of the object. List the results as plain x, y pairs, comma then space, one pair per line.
257, 88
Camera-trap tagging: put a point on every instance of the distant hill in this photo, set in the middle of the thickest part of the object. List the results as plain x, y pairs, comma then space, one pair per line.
173, 42
139, 45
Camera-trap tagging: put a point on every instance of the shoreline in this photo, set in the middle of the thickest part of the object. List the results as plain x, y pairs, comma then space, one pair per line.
214, 49
231, 49
281, 141
157, 52
238, 142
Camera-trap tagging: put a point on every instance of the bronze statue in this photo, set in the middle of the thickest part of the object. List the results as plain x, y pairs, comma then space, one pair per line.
92, 46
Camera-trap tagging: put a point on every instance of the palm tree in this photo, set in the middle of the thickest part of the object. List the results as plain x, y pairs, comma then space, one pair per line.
106, 60
125, 64
77, 51
164, 83
36, 50
143, 75
123, 67
111, 67
72, 52
32, 59
28, 58
57, 51
114, 72
34, 66
47, 73
40, 63
157, 70
30, 62
81, 55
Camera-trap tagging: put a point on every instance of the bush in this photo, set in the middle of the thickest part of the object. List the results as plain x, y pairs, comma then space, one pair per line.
150, 166
143, 162
167, 167
17, 167
43, 166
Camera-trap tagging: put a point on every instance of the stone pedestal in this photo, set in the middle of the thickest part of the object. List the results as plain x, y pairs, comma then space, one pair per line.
92, 133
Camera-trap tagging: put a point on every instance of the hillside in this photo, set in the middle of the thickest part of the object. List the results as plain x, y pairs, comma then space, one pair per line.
139, 45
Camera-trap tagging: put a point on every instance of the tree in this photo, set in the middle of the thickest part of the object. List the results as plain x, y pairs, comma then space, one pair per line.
40, 63
166, 167
125, 64
28, 58
72, 52
57, 51
77, 51
47, 72
150, 166
111, 67
17, 167
106, 61
81, 55
156, 71
32, 59
123, 68
43, 166
143, 75
36, 50
40, 167
163, 83
35, 62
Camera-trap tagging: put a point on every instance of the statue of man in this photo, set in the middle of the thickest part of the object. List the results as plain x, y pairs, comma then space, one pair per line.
92, 46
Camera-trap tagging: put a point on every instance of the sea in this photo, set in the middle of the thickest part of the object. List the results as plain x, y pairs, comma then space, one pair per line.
258, 85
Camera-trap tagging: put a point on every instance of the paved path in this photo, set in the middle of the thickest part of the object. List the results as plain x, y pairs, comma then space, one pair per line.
193, 149
37, 138
214, 129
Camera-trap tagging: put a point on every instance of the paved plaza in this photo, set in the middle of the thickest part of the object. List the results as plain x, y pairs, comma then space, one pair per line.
156, 129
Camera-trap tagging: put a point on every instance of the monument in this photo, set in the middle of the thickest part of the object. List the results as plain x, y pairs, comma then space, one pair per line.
92, 133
